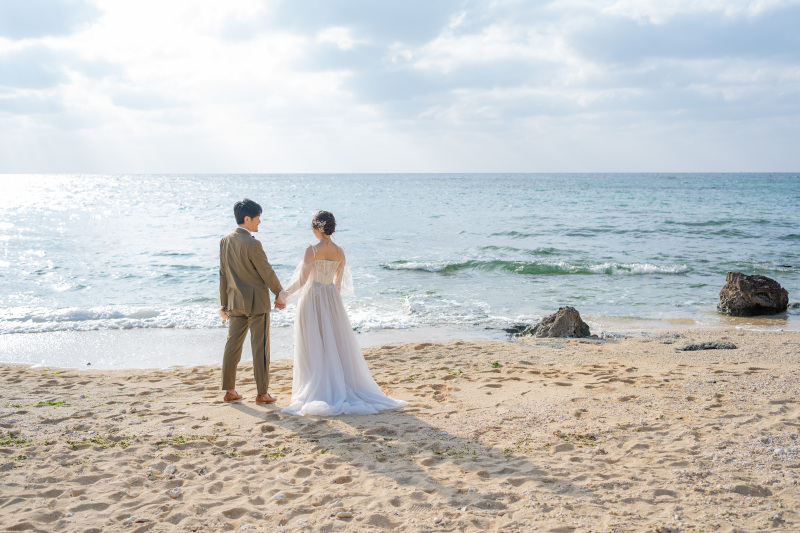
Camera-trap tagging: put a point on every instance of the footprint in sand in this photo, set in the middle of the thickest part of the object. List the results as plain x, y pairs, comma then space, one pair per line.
382, 522
234, 513
381, 431
302, 472
215, 488
664, 492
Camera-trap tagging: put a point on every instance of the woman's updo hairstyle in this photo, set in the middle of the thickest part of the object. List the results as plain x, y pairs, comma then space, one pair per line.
324, 222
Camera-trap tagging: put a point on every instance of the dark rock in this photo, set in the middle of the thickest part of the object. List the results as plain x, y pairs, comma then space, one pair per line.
745, 295
519, 329
566, 322
713, 345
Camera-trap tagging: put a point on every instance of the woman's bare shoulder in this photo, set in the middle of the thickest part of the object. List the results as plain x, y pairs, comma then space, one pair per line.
308, 255
341, 252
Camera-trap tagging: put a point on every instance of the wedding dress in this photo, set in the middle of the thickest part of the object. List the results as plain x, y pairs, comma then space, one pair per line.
330, 375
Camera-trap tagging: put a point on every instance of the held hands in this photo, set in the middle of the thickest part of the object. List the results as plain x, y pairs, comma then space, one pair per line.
280, 303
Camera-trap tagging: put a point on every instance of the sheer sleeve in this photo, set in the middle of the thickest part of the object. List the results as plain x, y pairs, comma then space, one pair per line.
344, 279
298, 282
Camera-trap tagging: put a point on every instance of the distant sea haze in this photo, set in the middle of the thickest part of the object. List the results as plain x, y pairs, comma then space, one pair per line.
86, 252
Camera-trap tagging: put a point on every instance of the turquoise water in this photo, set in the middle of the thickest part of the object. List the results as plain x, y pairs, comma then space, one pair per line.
86, 252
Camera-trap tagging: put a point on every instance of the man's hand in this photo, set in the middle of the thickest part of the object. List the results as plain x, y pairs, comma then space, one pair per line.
280, 303
225, 315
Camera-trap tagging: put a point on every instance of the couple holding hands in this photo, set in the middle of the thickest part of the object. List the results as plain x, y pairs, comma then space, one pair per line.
330, 376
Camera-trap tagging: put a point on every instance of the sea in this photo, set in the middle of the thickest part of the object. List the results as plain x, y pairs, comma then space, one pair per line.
122, 271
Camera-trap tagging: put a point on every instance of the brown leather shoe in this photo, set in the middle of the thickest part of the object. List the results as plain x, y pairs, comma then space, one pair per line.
265, 398
231, 397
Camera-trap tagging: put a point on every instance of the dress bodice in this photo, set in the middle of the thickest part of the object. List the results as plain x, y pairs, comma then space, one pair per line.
324, 271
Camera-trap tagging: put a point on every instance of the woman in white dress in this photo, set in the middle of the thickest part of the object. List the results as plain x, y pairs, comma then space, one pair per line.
330, 375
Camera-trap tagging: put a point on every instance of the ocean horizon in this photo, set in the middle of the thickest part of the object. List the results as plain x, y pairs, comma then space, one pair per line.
470, 253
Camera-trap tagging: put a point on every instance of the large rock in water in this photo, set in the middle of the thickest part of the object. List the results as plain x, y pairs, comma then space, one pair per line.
745, 295
566, 322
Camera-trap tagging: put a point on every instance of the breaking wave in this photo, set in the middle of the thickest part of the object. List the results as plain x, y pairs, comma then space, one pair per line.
538, 267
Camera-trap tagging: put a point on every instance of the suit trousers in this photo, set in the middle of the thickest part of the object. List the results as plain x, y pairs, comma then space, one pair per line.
259, 341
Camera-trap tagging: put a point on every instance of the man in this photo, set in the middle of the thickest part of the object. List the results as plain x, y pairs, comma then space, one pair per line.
245, 276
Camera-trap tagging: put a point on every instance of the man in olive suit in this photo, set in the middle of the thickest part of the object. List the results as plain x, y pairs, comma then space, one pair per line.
245, 279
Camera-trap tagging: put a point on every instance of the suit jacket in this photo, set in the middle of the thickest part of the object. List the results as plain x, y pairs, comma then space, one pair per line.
245, 275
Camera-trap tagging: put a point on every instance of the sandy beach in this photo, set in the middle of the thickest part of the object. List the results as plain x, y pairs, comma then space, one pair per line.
559, 435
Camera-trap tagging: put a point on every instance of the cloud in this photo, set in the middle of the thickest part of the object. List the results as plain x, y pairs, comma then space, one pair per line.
35, 67
23, 19
354, 85
659, 12
39, 66
414, 21
36, 80
30, 103
612, 39
142, 99
517, 62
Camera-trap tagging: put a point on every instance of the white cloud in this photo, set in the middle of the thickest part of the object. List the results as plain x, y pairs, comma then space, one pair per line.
660, 12
22, 19
269, 86
493, 43
339, 36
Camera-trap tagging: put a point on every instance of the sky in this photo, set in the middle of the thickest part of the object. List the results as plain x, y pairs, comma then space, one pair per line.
341, 86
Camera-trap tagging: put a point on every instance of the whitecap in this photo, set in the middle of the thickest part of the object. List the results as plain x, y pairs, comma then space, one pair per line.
428, 266
622, 269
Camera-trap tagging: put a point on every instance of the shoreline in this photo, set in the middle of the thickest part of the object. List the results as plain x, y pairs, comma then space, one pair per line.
585, 435
161, 348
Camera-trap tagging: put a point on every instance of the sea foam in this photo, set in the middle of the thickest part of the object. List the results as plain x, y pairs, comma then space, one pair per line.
538, 267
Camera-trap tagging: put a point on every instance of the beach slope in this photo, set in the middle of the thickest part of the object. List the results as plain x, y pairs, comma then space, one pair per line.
563, 435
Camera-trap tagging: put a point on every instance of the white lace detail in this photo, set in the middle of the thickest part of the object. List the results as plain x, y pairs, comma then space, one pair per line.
319, 288
324, 271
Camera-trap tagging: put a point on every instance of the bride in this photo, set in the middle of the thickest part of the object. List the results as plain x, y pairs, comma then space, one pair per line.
330, 375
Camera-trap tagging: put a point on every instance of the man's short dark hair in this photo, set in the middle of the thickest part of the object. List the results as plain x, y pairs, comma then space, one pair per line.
246, 208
